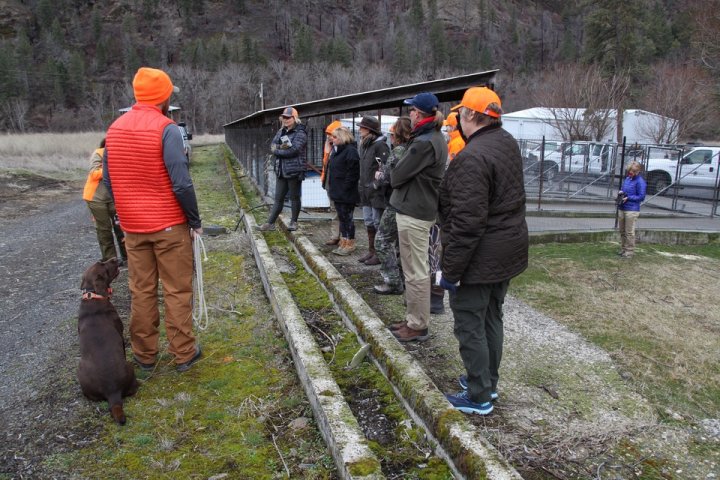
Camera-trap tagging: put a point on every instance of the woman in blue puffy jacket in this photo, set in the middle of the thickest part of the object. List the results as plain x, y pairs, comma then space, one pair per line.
632, 194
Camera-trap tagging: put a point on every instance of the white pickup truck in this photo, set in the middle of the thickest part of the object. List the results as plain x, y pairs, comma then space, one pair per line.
572, 159
697, 168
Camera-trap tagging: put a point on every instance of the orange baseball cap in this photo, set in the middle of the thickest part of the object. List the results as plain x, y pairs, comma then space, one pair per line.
331, 128
451, 120
478, 99
152, 86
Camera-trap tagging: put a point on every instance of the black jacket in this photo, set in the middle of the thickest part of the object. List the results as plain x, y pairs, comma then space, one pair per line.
343, 173
482, 211
290, 162
371, 157
416, 176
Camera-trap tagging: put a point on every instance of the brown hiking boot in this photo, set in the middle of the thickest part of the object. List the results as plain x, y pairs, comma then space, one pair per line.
397, 326
373, 260
407, 334
365, 257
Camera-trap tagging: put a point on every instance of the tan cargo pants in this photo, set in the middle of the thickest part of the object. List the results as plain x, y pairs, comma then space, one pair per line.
166, 256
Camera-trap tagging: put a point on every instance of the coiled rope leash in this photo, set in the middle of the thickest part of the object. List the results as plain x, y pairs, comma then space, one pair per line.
200, 313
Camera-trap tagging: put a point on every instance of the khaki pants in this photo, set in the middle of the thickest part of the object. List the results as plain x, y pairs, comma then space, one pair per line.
626, 225
166, 256
413, 236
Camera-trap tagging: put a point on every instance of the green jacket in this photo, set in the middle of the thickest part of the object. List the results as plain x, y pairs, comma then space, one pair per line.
416, 177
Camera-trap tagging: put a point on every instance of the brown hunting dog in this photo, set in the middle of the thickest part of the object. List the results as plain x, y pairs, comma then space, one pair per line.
104, 374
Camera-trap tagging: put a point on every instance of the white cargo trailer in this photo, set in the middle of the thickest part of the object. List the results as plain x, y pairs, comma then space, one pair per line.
534, 123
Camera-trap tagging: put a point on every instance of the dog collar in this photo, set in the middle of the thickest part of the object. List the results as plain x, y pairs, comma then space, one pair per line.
89, 294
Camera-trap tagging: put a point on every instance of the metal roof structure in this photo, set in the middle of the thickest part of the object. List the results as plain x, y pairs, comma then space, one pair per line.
447, 90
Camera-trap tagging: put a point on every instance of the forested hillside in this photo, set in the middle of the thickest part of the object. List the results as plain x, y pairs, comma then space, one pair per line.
68, 64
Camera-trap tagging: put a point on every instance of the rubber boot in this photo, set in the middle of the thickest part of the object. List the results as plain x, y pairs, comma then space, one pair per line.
373, 259
371, 245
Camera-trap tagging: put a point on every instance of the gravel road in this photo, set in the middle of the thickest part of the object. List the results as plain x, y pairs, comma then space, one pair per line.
46, 241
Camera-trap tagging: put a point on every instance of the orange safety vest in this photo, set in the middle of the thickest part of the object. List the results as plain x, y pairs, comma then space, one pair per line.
93, 178
141, 185
455, 145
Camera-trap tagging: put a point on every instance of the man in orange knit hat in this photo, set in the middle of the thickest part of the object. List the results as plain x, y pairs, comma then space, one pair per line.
148, 175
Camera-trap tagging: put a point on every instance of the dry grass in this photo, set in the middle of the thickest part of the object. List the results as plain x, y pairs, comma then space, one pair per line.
61, 152
48, 152
657, 315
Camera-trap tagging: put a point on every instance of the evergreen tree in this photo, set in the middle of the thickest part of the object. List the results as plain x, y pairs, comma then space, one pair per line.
77, 84
101, 55
24, 61
303, 47
432, 10
568, 50
57, 34
417, 15
474, 54
482, 13
8, 73
485, 58
438, 45
150, 9
614, 36
659, 31
401, 61
131, 60
96, 22
341, 52
46, 13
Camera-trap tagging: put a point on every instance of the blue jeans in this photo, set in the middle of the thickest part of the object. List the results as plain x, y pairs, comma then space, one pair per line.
372, 217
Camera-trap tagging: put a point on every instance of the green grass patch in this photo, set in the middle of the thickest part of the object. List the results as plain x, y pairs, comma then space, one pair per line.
230, 413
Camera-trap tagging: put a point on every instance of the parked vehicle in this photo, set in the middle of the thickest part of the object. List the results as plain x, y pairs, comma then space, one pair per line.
187, 136
572, 158
696, 168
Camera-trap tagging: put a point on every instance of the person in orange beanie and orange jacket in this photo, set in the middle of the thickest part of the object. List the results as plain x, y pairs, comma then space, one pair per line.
328, 150
102, 208
148, 175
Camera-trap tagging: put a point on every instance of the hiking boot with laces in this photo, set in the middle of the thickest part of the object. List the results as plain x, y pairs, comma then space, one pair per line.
407, 334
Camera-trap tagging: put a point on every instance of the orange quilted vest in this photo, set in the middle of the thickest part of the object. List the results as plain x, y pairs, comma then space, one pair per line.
143, 193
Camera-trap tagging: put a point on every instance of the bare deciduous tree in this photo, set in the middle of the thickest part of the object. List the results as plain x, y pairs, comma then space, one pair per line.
706, 34
581, 100
15, 111
684, 95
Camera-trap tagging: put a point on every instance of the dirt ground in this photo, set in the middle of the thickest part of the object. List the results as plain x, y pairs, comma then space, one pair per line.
47, 240
565, 410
